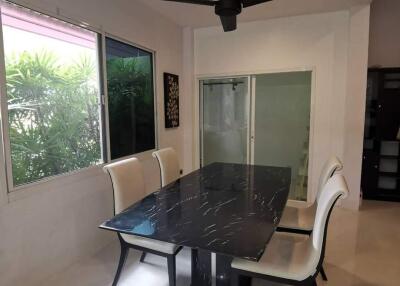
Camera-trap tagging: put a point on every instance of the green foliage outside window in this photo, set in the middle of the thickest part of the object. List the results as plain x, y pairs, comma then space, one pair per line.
130, 105
54, 124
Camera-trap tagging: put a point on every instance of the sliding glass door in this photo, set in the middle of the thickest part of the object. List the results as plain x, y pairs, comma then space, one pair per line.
281, 125
225, 113
261, 119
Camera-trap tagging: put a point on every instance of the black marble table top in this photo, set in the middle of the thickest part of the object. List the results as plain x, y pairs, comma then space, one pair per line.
229, 209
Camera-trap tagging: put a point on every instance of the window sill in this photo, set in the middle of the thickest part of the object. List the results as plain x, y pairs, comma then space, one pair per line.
55, 182
59, 181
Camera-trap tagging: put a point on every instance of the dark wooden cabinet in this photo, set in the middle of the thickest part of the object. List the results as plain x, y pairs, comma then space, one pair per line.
381, 157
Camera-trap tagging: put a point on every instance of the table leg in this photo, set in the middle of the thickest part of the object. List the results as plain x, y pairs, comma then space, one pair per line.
202, 272
201, 268
223, 270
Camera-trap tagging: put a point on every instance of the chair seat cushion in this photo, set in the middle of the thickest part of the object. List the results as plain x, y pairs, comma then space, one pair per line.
298, 215
160, 246
287, 256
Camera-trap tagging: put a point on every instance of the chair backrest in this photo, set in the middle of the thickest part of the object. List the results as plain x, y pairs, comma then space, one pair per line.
127, 182
335, 187
169, 165
330, 167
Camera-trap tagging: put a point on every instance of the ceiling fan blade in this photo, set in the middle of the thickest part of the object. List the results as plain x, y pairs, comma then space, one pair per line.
228, 22
198, 2
248, 3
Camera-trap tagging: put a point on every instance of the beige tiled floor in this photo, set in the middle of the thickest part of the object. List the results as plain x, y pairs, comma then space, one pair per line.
363, 250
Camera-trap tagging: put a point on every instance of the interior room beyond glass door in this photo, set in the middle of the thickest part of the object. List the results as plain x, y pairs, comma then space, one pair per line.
281, 125
224, 120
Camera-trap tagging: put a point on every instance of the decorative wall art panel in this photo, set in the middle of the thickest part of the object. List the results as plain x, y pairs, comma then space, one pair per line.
171, 100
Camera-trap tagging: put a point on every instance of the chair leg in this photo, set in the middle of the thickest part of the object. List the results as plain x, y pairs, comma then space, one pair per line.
323, 274
171, 270
143, 256
122, 259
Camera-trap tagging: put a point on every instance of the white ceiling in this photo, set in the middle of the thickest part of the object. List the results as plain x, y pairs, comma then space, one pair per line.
202, 16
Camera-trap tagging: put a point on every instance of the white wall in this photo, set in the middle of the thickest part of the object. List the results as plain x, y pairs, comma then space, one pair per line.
384, 47
353, 135
187, 98
319, 42
51, 225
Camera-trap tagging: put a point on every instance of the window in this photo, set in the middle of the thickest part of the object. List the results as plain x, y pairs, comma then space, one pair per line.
51, 108
130, 99
52, 96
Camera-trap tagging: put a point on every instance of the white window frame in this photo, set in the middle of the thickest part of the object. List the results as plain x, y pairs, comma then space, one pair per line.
3, 114
9, 192
5, 124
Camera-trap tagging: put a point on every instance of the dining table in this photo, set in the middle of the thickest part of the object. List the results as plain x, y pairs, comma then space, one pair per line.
220, 211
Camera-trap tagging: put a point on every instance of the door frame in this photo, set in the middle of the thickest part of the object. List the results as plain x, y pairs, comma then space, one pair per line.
312, 173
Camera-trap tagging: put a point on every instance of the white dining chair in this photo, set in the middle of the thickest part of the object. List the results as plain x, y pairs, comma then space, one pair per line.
128, 187
288, 259
169, 170
298, 217
169, 165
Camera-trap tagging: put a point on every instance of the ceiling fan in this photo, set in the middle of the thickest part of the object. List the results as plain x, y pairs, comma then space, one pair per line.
227, 10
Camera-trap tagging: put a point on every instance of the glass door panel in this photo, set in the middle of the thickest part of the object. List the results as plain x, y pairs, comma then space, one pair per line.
281, 125
224, 124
